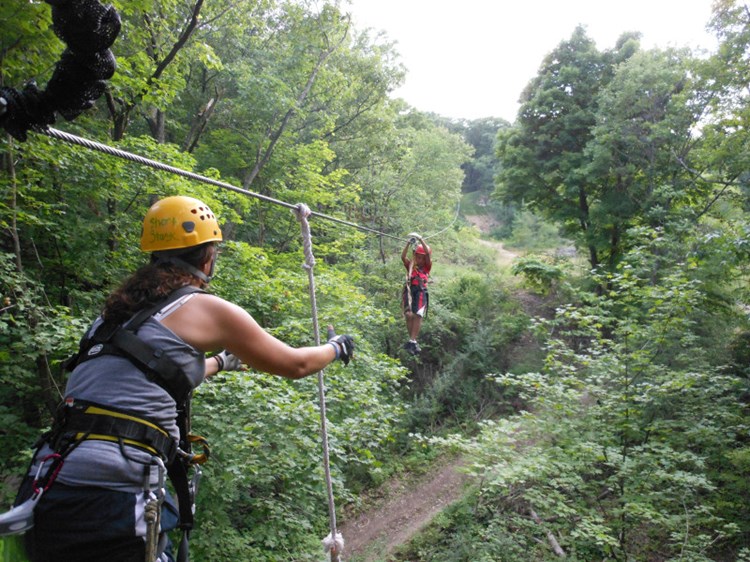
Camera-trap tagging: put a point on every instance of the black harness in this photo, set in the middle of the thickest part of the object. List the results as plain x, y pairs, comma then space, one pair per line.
115, 339
81, 420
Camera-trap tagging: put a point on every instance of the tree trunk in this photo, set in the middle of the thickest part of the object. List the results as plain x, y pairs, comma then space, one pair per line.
156, 125
199, 124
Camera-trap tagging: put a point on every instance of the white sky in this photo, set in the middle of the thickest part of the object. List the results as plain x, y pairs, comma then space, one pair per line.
472, 58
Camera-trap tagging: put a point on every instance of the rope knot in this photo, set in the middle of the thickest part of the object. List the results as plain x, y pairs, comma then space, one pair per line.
335, 547
302, 211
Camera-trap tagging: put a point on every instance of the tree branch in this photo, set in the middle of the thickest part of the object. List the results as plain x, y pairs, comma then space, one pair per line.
265, 155
556, 548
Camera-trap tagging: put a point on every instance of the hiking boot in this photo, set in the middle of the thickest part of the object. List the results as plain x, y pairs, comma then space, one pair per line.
412, 347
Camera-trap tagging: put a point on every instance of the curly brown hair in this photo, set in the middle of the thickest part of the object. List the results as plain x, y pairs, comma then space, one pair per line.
152, 283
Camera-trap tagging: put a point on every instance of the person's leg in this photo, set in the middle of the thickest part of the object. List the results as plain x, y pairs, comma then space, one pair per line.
408, 316
410, 319
414, 325
419, 300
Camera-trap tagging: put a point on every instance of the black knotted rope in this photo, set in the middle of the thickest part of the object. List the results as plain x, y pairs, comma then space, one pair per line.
88, 29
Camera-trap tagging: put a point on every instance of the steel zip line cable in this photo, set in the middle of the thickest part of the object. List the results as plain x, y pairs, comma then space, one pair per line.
93, 145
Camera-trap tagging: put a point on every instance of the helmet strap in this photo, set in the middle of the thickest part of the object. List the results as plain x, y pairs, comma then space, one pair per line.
182, 264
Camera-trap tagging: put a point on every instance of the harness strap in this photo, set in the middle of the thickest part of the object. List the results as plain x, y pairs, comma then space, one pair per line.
161, 368
91, 421
177, 472
140, 317
113, 339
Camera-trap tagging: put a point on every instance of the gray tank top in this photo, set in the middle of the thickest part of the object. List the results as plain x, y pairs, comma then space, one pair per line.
114, 381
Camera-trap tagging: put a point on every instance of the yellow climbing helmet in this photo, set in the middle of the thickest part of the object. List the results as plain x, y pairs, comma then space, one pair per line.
178, 222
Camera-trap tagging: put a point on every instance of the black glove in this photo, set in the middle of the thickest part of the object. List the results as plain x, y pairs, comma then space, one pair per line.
344, 345
228, 362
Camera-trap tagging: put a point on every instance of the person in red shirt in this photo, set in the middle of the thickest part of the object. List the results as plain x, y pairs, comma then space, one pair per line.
416, 298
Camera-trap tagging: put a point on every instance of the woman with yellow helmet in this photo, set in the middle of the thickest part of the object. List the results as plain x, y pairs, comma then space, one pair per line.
126, 398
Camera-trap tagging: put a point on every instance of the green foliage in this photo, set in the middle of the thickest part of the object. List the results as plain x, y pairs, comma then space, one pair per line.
538, 273
530, 232
12, 549
27, 42
264, 491
468, 332
481, 134
628, 428
466, 532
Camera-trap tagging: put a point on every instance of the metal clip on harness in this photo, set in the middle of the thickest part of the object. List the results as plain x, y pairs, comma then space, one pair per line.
21, 518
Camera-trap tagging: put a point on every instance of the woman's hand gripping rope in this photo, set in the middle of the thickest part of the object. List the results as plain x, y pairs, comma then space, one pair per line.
343, 344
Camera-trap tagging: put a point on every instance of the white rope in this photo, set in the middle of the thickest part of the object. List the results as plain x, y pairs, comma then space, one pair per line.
455, 218
332, 546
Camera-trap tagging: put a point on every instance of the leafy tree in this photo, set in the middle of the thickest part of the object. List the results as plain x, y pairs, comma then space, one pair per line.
418, 190
482, 135
643, 136
616, 455
158, 41
721, 165
28, 46
543, 156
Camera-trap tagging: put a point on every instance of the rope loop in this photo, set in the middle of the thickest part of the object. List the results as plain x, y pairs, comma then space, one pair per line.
302, 211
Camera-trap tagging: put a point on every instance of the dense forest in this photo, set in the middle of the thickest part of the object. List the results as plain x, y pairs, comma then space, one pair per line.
598, 391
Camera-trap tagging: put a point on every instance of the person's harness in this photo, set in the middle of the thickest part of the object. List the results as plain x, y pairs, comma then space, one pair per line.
418, 277
115, 339
80, 420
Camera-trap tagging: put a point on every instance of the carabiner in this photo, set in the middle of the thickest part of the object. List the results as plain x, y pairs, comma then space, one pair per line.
49, 478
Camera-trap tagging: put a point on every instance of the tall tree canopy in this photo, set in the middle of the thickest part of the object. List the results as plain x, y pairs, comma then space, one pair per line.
565, 157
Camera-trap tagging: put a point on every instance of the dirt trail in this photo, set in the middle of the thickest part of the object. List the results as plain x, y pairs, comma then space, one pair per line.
485, 224
406, 509
504, 257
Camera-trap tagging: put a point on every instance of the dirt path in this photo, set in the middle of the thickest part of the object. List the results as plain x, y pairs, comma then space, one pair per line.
504, 257
485, 224
408, 507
